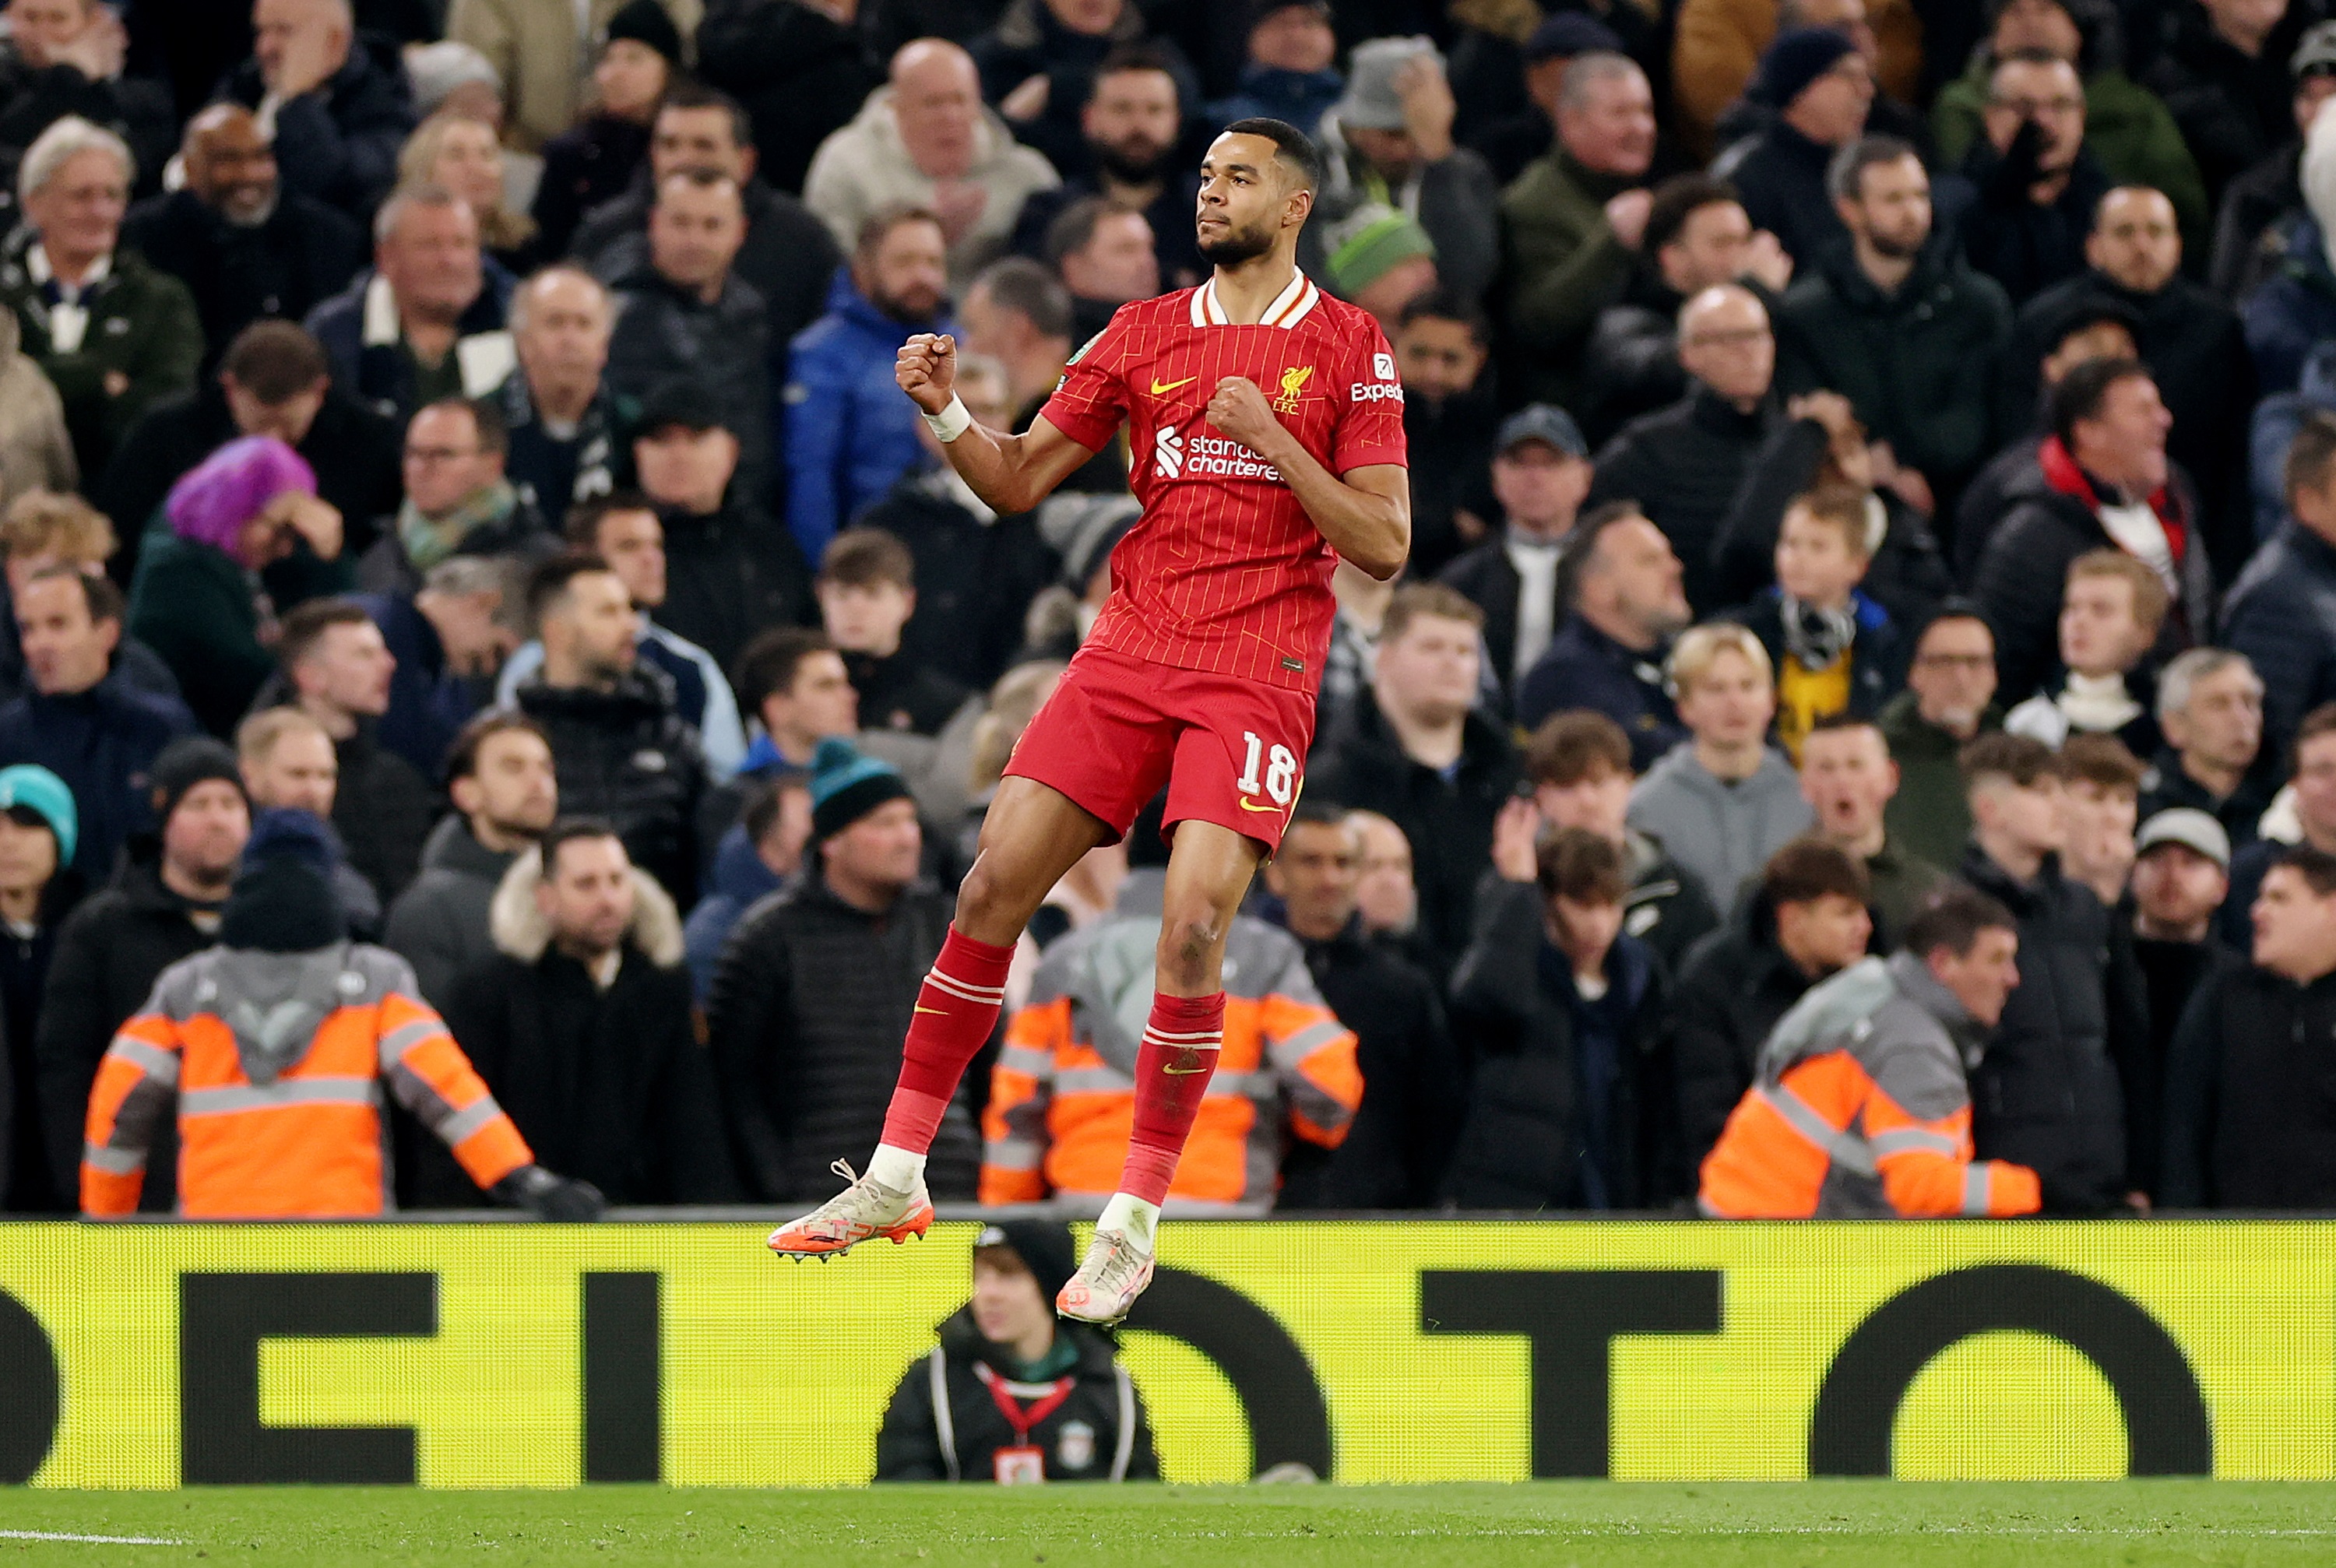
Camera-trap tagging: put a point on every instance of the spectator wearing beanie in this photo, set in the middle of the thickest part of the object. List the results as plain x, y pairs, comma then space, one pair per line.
1508, 91
197, 599
38, 889
947, 1420
1820, 88
1716, 46
593, 160
534, 48
814, 992
1289, 68
163, 905
1381, 260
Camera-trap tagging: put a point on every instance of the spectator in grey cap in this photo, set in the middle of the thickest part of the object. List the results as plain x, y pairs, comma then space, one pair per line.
1541, 471
2181, 876
1390, 140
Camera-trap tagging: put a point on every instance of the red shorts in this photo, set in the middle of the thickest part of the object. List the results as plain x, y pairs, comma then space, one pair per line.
1231, 752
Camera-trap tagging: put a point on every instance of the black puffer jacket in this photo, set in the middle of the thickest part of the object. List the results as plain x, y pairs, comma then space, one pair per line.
625, 755
2048, 1094
730, 575
109, 954
810, 1003
1683, 465
666, 332
2251, 1095
1732, 989
383, 810
1082, 1437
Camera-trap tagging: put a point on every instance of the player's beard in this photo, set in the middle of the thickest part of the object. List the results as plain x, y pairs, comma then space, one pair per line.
1235, 246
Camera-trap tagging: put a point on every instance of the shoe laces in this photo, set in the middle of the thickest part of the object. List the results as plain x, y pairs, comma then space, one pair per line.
1122, 1263
861, 1195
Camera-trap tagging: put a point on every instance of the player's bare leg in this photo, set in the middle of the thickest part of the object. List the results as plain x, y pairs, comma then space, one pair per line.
1208, 872
1030, 837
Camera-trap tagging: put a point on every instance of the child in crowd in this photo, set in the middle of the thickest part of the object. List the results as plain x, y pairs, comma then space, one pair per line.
1835, 649
2110, 613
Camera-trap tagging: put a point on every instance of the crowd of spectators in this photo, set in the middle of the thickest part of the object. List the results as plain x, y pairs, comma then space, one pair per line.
1856, 733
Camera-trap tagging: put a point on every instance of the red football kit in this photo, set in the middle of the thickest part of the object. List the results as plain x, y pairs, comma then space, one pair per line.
1202, 668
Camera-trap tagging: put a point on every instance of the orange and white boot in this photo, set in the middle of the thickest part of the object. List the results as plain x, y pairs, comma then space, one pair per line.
865, 1211
1115, 1272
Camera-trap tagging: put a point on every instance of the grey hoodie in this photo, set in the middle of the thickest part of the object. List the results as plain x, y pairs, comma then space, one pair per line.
439, 924
1723, 832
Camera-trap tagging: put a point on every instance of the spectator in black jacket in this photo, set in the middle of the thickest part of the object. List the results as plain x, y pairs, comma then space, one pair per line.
2246, 249
2313, 791
564, 420
2210, 709
1568, 1103
2191, 343
38, 890
289, 764
1624, 603
273, 380
866, 593
1420, 754
948, 1419
580, 1022
618, 749
2249, 1124
82, 720
163, 905
2024, 202
2048, 1093
246, 248
1133, 134
65, 57
2181, 875
2226, 92
337, 671
1541, 471
1684, 465
1819, 86
2281, 610
593, 161
814, 992
1414, 1080
1579, 764
2102, 481
800, 73
340, 105
1442, 345
1806, 918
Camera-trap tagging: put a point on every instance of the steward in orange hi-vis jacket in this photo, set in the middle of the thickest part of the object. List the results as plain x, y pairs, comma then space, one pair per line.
1862, 1106
272, 1050
1062, 1099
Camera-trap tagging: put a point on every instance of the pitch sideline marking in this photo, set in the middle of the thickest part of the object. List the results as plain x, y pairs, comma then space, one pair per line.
92, 1540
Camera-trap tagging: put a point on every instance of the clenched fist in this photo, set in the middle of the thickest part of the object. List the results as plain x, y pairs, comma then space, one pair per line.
1239, 409
926, 368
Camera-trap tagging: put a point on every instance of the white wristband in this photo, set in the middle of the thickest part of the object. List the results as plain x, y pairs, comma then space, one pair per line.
951, 421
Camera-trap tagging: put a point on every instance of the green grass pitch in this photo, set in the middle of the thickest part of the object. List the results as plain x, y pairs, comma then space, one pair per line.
1813, 1524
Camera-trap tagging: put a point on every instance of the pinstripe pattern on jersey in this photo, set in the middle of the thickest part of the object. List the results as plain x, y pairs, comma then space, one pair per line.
1224, 572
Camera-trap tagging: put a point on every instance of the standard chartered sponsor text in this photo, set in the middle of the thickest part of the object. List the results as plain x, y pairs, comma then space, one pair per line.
1214, 457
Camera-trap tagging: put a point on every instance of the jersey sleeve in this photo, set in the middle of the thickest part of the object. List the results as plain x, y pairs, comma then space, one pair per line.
1370, 414
1090, 403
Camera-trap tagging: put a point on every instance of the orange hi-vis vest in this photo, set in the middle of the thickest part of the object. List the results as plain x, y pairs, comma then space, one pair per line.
1061, 1098
1862, 1109
274, 1064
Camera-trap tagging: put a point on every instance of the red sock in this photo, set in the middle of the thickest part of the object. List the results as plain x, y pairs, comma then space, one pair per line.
957, 1009
1173, 1068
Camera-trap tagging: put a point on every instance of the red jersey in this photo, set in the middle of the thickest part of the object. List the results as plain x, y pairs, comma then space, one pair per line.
1224, 572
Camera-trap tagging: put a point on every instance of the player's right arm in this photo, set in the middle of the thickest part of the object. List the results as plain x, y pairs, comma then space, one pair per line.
1011, 474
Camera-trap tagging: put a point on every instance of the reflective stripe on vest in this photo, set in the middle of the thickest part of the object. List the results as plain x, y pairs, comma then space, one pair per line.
1851, 1153
1975, 1186
235, 1099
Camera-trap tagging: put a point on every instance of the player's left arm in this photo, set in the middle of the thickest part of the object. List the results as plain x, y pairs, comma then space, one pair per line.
1364, 513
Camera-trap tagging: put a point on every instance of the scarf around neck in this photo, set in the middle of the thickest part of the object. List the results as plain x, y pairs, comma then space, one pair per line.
1815, 638
428, 542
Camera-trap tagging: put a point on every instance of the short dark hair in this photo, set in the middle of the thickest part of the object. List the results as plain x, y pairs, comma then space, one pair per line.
685, 92
2085, 390
1294, 147
1952, 919
1846, 718
1140, 55
878, 226
306, 625
463, 754
2311, 455
769, 662
2320, 721
1317, 813
1020, 285
2101, 761
2022, 759
866, 558
1581, 865
1676, 201
1810, 868
2316, 866
549, 582
486, 418
1074, 228
1845, 174
761, 812
1445, 303
99, 594
567, 831
275, 361
1569, 746
582, 527
1581, 546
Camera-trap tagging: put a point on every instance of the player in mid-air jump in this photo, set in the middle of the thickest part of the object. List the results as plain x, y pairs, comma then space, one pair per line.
1266, 434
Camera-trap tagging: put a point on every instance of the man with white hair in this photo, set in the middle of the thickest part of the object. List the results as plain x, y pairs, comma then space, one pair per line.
2210, 710
338, 114
926, 140
562, 416
426, 321
114, 333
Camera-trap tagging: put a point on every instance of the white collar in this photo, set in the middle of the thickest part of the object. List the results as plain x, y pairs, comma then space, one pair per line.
1287, 309
38, 269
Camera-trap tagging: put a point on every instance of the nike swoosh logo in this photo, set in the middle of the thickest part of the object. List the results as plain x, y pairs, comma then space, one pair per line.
937, 1012
1185, 1072
1160, 387
1252, 806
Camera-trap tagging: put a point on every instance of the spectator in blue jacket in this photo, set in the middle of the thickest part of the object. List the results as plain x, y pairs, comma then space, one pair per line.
448, 639
1289, 73
850, 434
79, 720
757, 857
2282, 611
